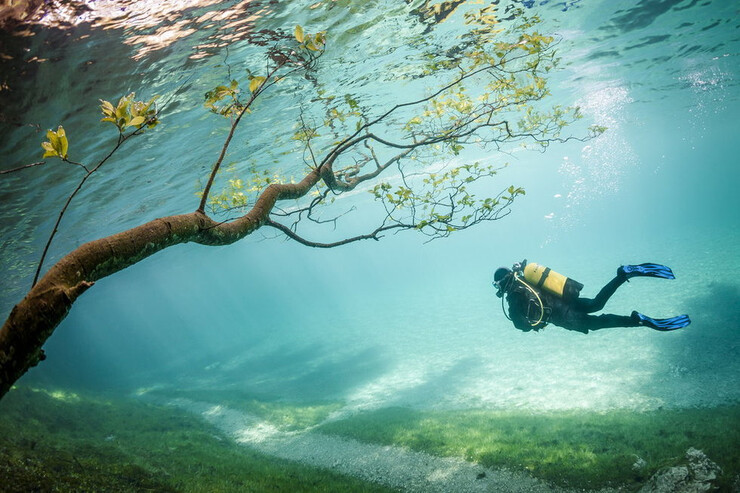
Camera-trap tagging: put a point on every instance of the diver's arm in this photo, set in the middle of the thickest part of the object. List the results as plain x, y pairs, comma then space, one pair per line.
518, 310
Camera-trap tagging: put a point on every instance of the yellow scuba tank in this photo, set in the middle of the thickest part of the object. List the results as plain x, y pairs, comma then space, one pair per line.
543, 277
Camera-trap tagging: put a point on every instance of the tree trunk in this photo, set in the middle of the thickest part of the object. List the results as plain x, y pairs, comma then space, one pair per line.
34, 319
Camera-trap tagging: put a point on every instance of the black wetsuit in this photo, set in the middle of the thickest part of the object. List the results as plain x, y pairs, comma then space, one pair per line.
524, 309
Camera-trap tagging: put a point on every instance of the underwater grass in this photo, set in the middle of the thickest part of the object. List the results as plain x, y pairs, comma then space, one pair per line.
573, 449
287, 416
61, 441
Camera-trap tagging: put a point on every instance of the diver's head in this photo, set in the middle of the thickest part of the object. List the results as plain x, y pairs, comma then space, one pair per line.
501, 279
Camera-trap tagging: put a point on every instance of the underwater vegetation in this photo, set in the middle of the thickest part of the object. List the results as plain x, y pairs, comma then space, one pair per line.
62, 441
574, 449
286, 416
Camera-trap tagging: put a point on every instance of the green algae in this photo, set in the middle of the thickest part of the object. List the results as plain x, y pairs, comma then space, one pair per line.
287, 416
61, 441
576, 449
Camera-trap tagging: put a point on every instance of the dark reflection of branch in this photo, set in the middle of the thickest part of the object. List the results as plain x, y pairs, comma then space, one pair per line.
437, 12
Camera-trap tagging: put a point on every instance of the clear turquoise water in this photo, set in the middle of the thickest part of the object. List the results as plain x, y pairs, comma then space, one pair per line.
399, 322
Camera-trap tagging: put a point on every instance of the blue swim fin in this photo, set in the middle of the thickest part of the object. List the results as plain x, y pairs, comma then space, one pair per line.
663, 324
647, 270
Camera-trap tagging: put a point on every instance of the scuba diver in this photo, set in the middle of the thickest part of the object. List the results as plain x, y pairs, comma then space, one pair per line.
537, 296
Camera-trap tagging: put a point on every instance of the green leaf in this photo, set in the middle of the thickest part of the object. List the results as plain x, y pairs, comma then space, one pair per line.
122, 109
151, 101
255, 83
351, 102
107, 108
64, 144
54, 140
50, 152
57, 144
136, 121
299, 33
319, 40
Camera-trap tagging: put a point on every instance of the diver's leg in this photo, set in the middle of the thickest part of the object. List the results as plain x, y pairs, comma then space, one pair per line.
589, 305
606, 321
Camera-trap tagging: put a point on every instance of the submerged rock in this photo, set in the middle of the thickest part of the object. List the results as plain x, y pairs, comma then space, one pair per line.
702, 469
736, 485
639, 464
696, 477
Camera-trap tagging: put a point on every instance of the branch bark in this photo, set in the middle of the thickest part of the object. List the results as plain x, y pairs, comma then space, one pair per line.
374, 235
19, 168
34, 319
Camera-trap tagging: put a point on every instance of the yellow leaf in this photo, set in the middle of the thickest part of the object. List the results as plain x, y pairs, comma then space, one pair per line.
107, 108
255, 83
299, 33
53, 139
136, 121
122, 108
50, 152
64, 144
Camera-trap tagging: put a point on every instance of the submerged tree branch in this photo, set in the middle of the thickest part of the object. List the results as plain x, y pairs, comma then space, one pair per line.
19, 168
121, 139
34, 319
374, 235
225, 147
434, 201
269, 81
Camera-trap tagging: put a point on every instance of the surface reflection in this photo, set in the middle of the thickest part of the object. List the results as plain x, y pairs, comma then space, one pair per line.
148, 26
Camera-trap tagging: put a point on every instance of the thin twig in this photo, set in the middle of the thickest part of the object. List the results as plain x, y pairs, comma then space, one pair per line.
217, 164
6, 171
375, 235
76, 164
121, 139
266, 84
